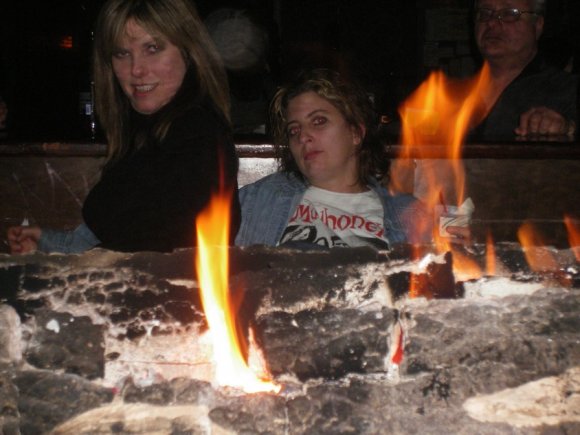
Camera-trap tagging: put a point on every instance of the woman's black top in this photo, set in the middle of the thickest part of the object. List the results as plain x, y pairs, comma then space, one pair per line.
149, 199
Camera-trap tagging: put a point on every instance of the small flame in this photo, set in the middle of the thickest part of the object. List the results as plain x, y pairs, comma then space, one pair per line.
539, 260
573, 228
398, 343
490, 259
464, 267
416, 289
414, 286
212, 269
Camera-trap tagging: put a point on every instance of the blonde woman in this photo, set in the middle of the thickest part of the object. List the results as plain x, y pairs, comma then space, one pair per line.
162, 99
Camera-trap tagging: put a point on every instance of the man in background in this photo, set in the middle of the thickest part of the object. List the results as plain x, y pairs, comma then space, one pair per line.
528, 98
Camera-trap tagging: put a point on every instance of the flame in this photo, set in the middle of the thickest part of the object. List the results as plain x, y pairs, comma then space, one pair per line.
413, 287
416, 289
464, 267
539, 260
490, 259
573, 228
439, 113
397, 346
212, 266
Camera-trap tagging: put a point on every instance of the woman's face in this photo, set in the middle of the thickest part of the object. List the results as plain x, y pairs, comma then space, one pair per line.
149, 68
323, 144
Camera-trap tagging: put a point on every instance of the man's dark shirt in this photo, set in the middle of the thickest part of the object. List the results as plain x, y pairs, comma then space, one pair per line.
539, 84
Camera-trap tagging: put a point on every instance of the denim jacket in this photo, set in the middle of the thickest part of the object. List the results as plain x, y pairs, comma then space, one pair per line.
67, 242
268, 204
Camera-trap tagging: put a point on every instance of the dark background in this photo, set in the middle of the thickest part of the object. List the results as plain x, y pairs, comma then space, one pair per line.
389, 45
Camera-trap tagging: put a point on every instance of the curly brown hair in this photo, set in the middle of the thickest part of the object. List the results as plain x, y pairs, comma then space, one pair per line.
351, 100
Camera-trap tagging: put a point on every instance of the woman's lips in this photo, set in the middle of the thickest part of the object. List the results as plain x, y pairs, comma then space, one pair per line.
311, 154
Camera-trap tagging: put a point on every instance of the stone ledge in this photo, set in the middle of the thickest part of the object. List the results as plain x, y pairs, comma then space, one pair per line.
253, 147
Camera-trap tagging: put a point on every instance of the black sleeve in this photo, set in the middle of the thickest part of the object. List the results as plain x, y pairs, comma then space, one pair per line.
151, 200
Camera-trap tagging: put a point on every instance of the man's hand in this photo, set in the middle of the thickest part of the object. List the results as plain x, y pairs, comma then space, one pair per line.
542, 121
23, 239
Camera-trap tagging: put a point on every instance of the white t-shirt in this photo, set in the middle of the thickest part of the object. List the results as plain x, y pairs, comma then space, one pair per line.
337, 219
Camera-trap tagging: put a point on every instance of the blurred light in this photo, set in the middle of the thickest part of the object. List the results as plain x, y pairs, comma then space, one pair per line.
66, 42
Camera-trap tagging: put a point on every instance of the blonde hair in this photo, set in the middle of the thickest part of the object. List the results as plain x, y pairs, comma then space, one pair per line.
178, 22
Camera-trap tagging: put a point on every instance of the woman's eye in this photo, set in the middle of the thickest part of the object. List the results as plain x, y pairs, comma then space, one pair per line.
319, 120
292, 131
153, 48
120, 54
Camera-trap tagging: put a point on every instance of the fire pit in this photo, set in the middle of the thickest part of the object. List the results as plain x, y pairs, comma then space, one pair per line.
109, 342
423, 339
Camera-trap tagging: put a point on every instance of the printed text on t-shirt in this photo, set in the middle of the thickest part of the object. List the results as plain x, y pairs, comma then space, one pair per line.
308, 214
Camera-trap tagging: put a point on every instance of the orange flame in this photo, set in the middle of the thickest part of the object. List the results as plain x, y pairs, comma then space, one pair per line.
415, 288
464, 267
439, 113
539, 260
573, 228
490, 259
212, 266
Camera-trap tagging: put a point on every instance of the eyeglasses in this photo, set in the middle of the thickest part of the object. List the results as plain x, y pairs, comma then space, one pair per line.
507, 15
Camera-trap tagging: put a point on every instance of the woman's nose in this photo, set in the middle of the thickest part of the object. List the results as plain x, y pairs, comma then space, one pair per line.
304, 136
138, 67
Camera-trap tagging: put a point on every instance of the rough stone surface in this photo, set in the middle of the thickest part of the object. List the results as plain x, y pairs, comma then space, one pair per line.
10, 335
63, 341
46, 399
332, 342
9, 414
113, 343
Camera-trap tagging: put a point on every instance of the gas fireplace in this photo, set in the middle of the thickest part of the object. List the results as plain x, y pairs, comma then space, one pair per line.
359, 341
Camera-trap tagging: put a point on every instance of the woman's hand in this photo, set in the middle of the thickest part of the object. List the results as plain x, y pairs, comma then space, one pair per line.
461, 235
23, 240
